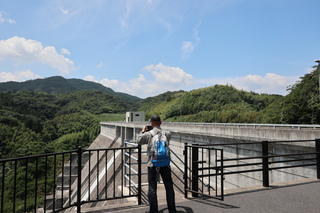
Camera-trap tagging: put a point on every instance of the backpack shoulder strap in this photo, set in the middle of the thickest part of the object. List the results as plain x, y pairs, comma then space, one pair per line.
152, 132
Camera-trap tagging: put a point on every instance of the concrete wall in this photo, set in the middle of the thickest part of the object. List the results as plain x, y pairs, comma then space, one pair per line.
222, 134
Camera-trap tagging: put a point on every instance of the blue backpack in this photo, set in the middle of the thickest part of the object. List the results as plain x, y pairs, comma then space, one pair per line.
160, 150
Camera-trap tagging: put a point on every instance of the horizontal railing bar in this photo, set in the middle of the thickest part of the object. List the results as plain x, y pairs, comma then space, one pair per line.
209, 146
293, 141
36, 156
136, 163
229, 166
294, 160
268, 156
242, 171
145, 173
112, 148
222, 124
237, 159
132, 143
292, 166
215, 197
294, 154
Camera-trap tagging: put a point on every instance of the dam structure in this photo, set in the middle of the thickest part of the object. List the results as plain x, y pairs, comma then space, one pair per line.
210, 159
237, 141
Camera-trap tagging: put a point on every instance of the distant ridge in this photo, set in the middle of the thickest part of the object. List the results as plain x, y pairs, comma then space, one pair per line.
58, 85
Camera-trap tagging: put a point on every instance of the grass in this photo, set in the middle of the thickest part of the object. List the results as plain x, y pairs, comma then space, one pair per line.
111, 117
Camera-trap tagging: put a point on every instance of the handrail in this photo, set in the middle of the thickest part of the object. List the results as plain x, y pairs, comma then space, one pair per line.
25, 186
298, 126
265, 166
42, 179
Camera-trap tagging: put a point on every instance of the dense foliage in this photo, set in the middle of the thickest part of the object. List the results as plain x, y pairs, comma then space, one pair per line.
218, 104
57, 85
226, 104
33, 123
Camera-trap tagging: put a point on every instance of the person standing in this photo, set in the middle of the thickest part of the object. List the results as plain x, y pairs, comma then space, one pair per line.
145, 137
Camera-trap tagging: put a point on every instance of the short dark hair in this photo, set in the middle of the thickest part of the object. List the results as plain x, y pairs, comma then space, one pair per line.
155, 118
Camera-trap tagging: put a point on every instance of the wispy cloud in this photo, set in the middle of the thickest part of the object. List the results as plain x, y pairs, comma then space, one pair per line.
65, 51
64, 11
100, 65
188, 46
4, 19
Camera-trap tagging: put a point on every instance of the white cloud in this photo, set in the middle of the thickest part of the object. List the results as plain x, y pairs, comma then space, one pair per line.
29, 51
164, 78
64, 51
18, 76
168, 75
271, 83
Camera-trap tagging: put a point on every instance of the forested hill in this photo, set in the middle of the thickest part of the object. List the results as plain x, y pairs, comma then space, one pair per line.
57, 85
226, 104
36, 121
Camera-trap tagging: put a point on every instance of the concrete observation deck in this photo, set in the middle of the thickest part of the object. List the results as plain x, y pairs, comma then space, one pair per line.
292, 195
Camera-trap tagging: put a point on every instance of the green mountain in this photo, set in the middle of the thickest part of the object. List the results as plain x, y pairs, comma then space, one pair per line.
58, 85
226, 104
216, 104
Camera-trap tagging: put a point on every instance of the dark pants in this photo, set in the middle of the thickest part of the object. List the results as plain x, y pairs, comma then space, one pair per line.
152, 192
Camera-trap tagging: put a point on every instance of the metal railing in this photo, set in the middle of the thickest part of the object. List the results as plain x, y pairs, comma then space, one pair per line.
68, 180
58, 181
253, 125
131, 160
200, 166
203, 171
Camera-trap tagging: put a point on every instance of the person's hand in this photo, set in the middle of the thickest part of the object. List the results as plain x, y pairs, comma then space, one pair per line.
144, 129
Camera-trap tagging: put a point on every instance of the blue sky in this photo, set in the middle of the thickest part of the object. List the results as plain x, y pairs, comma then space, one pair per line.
147, 47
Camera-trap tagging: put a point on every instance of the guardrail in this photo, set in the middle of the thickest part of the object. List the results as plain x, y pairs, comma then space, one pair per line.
203, 166
55, 182
253, 125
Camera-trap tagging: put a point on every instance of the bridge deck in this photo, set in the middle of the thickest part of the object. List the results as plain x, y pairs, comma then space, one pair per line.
297, 196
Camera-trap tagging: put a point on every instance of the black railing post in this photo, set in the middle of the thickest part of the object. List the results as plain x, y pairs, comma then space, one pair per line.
222, 176
195, 170
318, 157
185, 175
79, 153
139, 175
265, 164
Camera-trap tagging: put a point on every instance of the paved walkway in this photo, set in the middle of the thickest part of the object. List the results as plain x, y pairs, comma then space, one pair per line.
294, 197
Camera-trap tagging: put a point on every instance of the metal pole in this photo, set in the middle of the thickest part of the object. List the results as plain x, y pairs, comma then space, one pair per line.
265, 164
79, 152
195, 170
318, 157
318, 70
139, 176
186, 172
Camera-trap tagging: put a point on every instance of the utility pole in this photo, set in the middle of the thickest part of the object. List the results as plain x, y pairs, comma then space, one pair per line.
318, 70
